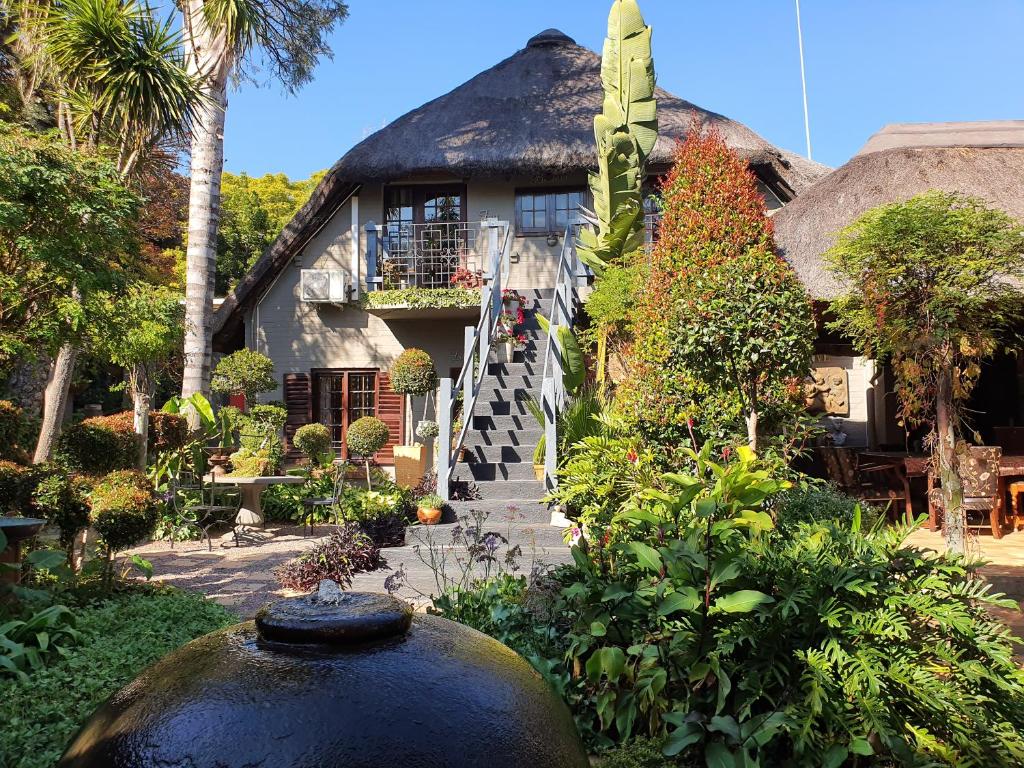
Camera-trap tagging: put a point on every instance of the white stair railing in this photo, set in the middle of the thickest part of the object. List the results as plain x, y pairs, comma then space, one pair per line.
477, 344
571, 274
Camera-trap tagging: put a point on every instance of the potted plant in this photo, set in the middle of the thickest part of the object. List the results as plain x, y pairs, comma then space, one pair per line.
413, 374
220, 454
506, 340
513, 303
429, 508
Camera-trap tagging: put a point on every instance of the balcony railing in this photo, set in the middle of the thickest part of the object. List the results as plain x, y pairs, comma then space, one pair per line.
401, 255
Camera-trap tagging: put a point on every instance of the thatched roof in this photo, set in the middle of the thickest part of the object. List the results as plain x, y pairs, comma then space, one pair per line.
531, 115
984, 160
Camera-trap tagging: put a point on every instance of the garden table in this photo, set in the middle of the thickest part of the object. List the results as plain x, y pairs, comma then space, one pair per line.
1011, 465
251, 511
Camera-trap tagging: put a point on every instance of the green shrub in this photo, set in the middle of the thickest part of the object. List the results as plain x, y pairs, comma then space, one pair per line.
643, 753
245, 372
119, 637
62, 498
259, 430
27, 642
247, 464
99, 445
14, 432
124, 512
696, 624
366, 436
820, 503
347, 551
314, 440
16, 483
413, 373
167, 432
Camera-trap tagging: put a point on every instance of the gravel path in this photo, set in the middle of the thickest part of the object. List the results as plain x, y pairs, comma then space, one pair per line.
242, 577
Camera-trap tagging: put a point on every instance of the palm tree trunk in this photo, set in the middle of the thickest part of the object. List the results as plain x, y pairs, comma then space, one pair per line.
209, 57
953, 524
54, 400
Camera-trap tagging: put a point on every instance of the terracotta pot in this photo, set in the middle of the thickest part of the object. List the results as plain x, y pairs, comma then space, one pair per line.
428, 516
538, 472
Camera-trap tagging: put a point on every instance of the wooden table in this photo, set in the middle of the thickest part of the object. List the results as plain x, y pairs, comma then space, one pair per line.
1011, 465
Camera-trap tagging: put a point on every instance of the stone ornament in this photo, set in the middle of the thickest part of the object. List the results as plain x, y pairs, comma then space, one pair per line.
827, 391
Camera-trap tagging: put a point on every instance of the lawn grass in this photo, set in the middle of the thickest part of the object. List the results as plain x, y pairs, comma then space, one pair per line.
121, 635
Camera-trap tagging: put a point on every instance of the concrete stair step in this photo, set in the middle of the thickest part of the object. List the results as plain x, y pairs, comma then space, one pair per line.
501, 437
515, 369
503, 408
527, 535
490, 470
505, 489
499, 454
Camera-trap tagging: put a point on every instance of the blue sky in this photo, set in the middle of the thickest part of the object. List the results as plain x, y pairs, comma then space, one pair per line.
869, 62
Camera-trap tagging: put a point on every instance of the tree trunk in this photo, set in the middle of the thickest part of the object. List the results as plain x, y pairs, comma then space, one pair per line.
142, 400
751, 419
953, 523
209, 57
54, 400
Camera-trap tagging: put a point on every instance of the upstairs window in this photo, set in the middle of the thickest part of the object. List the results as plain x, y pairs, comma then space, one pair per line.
547, 211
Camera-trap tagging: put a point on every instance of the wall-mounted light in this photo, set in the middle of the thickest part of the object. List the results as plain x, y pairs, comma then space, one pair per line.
552, 239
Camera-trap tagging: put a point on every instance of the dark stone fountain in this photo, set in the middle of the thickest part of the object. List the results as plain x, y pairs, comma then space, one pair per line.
330, 680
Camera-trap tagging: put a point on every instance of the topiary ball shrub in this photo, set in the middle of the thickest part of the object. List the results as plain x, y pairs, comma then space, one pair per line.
366, 436
63, 499
245, 372
167, 431
99, 445
346, 552
413, 373
314, 440
124, 512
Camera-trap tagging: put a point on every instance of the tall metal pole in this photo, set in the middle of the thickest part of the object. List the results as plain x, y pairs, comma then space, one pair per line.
803, 79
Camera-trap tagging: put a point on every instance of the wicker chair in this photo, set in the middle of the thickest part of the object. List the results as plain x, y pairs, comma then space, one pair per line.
878, 483
979, 478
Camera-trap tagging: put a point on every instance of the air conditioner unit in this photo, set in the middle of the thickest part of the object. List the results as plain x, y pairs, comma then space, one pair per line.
324, 286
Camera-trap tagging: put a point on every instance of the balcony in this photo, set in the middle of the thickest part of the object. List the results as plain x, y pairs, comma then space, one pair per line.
411, 267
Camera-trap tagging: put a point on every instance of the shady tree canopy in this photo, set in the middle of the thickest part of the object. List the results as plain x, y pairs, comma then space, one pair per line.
934, 288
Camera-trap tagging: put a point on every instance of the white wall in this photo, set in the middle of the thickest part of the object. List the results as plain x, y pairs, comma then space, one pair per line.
865, 397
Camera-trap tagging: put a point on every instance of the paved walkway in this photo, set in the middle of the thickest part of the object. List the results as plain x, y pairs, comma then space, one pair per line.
242, 577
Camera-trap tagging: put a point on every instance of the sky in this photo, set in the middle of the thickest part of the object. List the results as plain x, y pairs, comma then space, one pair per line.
869, 63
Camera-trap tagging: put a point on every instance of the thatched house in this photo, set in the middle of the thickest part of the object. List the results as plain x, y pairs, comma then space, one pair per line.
404, 209
981, 159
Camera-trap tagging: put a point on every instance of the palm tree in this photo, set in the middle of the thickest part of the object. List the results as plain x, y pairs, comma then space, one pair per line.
117, 82
226, 38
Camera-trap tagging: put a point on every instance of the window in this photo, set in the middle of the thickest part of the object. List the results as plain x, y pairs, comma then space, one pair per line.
341, 397
547, 211
425, 235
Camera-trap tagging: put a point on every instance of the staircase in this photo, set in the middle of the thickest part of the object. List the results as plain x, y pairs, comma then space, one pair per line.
503, 435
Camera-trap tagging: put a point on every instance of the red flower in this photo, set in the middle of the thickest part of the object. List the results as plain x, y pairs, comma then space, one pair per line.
632, 457
726, 452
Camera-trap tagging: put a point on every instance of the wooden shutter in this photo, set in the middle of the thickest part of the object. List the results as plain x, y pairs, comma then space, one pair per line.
390, 410
298, 401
